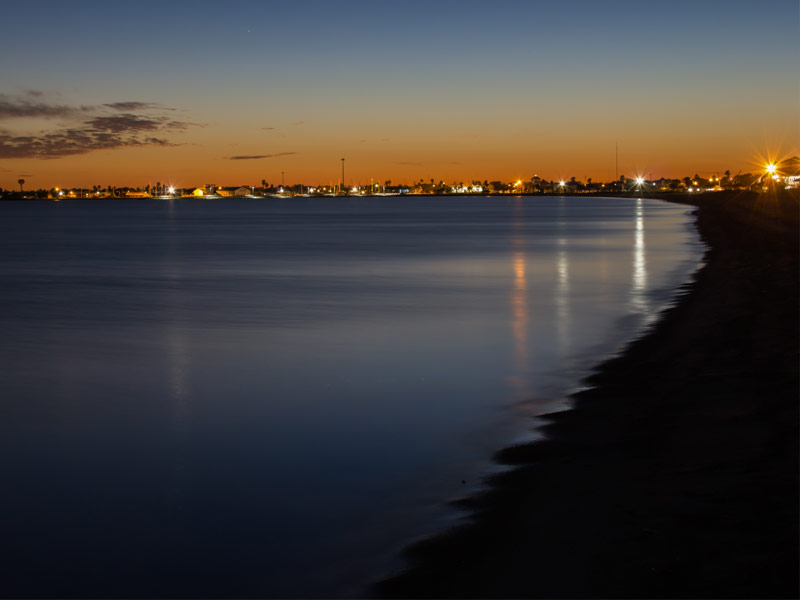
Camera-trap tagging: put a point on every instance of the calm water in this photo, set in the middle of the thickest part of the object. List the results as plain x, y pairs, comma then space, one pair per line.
272, 397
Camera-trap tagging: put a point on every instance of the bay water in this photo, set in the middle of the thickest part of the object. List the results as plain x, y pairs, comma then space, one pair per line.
271, 397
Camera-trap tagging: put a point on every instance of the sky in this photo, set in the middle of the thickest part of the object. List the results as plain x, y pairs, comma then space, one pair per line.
194, 92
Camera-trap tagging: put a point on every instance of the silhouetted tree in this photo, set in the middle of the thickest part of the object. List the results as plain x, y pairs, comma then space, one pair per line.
744, 180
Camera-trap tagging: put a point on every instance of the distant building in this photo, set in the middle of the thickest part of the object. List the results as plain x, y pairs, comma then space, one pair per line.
233, 192
790, 169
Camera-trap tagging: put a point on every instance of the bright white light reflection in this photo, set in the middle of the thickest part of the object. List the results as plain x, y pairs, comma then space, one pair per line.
638, 299
562, 299
520, 315
562, 288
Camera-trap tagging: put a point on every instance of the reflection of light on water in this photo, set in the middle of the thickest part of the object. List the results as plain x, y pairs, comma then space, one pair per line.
562, 291
520, 314
562, 299
519, 304
638, 297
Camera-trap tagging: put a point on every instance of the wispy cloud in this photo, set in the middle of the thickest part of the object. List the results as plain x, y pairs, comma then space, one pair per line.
30, 104
298, 123
129, 106
131, 122
83, 129
258, 156
12, 107
69, 142
268, 129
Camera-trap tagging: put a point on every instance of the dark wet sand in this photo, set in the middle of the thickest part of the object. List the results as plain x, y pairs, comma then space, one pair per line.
676, 474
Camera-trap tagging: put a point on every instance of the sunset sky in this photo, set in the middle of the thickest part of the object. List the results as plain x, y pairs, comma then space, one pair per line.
194, 92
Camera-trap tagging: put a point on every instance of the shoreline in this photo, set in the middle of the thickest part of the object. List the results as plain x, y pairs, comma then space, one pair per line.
680, 197
676, 473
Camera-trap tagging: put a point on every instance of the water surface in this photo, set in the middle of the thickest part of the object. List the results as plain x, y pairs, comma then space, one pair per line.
271, 397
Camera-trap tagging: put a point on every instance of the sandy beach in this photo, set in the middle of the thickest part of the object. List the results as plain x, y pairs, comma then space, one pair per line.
676, 472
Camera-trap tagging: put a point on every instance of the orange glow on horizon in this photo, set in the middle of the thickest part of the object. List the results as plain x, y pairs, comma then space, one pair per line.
192, 166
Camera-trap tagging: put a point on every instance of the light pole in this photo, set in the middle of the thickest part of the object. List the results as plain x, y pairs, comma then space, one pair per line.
341, 187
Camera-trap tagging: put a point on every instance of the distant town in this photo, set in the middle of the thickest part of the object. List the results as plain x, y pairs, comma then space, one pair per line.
781, 175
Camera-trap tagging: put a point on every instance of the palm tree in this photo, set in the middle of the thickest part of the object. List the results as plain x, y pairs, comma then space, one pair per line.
21, 182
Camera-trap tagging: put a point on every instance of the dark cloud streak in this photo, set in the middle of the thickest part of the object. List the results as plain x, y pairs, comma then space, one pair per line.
70, 142
131, 122
259, 156
129, 106
15, 108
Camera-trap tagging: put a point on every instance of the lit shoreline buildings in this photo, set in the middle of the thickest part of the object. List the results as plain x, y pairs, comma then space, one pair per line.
785, 174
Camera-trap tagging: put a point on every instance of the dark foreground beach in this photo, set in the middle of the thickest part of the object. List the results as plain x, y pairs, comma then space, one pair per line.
676, 473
